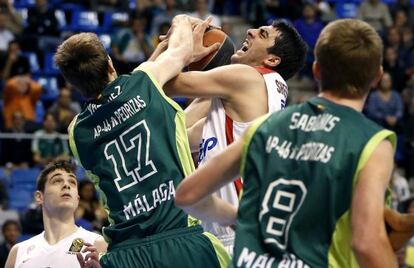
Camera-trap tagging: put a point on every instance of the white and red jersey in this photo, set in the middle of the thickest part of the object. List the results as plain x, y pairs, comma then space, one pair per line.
220, 130
36, 251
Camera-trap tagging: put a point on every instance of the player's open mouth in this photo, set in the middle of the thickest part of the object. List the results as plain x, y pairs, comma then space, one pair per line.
245, 46
66, 195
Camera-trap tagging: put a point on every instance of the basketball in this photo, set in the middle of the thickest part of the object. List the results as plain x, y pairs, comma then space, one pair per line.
217, 58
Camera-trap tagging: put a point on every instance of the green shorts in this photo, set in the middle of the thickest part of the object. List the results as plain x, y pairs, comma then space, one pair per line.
186, 247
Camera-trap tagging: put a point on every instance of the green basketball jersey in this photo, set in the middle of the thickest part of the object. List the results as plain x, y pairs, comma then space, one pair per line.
133, 144
299, 168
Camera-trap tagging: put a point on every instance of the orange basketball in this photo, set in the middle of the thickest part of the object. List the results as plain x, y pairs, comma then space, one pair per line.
217, 58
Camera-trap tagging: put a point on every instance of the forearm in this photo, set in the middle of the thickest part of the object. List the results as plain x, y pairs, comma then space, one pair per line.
214, 209
197, 110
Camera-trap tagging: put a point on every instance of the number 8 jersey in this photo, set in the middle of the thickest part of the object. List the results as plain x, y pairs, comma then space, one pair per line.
299, 167
133, 144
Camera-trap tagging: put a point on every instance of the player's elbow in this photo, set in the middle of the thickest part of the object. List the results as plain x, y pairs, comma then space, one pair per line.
184, 198
366, 247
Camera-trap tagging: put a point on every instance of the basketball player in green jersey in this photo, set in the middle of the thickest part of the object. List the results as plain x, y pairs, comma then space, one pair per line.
131, 139
315, 174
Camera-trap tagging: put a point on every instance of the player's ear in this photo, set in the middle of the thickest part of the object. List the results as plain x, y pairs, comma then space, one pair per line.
111, 65
316, 70
38, 195
378, 77
272, 61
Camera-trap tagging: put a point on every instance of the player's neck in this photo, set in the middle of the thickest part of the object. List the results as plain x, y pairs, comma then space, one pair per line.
356, 104
58, 227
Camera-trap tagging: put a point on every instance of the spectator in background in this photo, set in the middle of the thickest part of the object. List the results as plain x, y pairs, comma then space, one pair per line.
20, 94
409, 139
64, 110
5, 34
14, 22
41, 20
393, 38
47, 144
309, 27
42, 27
163, 30
17, 151
11, 232
406, 6
395, 67
14, 63
400, 20
131, 46
384, 105
202, 12
406, 47
376, 14
89, 207
166, 15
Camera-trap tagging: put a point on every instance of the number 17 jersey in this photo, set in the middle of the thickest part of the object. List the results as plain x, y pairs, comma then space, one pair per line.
133, 144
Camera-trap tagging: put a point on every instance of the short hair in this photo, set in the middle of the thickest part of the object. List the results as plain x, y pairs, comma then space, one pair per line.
64, 164
349, 53
83, 62
290, 47
9, 222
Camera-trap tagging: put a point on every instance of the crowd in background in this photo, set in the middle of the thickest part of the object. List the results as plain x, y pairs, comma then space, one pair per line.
36, 105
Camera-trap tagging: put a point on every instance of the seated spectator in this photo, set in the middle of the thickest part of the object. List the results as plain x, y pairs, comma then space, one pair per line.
13, 63
47, 143
400, 20
406, 6
64, 110
5, 34
409, 140
309, 27
17, 150
376, 14
42, 29
395, 67
11, 232
131, 46
20, 94
42, 20
90, 209
384, 105
14, 21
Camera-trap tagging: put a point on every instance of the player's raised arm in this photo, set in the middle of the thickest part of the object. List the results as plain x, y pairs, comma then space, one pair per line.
178, 54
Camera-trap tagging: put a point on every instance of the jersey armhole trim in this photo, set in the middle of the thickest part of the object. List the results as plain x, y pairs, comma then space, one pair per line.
72, 143
247, 138
371, 146
157, 85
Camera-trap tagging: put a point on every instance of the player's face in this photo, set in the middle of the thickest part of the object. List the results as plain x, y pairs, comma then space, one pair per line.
61, 191
254, 49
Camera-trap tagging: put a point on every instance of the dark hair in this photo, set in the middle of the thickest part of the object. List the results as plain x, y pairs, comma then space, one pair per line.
9, 222
290, 47
83, 62
65, 164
